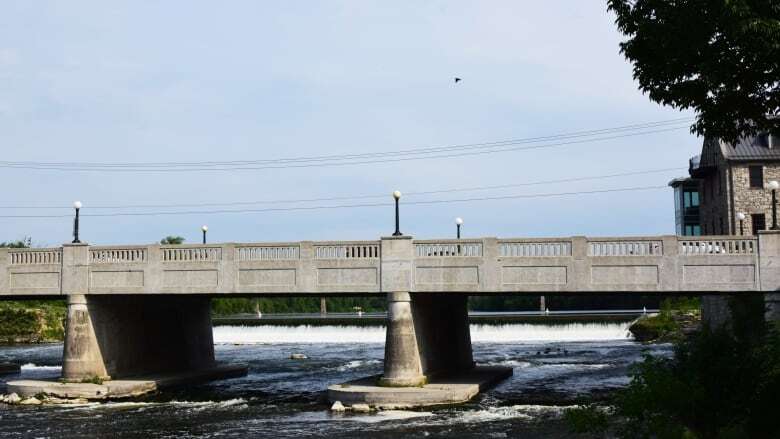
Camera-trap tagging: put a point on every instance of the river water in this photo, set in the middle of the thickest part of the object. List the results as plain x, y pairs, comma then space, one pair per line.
555, 366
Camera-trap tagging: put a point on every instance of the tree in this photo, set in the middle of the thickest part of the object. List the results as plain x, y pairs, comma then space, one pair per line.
168, 240
720, 58
25, 242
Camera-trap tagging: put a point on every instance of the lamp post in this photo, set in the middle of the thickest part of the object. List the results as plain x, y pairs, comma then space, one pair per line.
774, 185
741, 218
397, 196
458, 223
205, 229
77, 206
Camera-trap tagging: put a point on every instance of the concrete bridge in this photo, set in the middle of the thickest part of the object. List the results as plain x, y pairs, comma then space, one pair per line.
145, 309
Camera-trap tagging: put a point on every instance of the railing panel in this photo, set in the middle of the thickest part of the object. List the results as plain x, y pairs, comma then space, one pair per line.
718, 246
192, 254
347, 251
466, 249
36, 257
117, 255
267, 253
535, 249
625, 248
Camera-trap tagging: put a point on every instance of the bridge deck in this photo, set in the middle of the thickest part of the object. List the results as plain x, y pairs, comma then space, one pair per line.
487, 265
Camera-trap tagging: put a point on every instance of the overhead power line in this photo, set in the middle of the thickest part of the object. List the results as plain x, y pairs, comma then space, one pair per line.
553, 141
341, 206
355, 197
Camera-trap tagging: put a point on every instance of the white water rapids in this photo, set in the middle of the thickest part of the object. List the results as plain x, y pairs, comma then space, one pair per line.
509, 333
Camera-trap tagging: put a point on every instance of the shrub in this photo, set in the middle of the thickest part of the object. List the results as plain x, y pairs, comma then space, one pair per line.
720, 383
587, 419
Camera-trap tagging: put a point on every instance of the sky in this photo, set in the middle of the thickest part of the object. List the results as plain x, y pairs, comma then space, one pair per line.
194, 81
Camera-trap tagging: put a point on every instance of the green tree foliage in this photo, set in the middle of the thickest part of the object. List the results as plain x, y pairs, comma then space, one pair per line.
296, 305
25, 242
718, 57
722, 383
32, 321
169, 240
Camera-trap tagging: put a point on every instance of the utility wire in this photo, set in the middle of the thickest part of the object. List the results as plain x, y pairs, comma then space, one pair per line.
355, 159
342, 206
355, 197
364, 155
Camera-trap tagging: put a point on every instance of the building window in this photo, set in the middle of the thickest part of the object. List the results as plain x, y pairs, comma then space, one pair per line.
690, 199
692, 230
756, 174
758, 222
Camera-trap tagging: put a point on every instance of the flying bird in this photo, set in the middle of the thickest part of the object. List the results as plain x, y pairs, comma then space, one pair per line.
457, 80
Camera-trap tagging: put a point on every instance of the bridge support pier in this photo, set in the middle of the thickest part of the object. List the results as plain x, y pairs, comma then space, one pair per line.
427, 335
113, 336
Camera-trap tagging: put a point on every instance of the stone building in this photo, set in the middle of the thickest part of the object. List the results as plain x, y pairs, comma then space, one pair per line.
732, 180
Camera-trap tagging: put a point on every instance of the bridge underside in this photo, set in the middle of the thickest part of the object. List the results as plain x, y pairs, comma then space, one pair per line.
122, 336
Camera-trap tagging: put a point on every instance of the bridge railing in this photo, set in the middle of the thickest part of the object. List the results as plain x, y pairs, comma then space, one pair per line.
718, 245
653, 263
30, 271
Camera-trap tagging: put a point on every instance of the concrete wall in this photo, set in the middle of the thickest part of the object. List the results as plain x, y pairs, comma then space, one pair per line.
667, 264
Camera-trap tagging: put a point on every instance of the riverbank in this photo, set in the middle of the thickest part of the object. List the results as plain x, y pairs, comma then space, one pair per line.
675, 320
29, 322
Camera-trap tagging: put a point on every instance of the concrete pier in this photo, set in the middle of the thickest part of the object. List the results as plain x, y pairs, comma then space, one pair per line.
403, 366
116, 336
441, 390
427, 335
123, 388
428, 357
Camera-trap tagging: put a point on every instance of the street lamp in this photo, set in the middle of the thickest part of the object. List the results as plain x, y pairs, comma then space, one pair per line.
77, 206
205, 229
774, 185
741, 218
458, 223
397, 196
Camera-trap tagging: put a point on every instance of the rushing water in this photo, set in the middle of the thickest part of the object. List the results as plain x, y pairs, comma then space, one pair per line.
554, 366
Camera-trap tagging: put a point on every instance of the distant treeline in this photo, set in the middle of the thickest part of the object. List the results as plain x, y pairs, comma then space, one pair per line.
476, 303
296, 305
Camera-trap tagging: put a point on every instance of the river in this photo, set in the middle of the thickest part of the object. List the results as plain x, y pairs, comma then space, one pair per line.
555, 366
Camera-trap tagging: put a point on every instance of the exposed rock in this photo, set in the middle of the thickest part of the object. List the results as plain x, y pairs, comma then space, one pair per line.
361, 408
298, 357
65, 401
12, 399
394, 407
30, 401
337, 407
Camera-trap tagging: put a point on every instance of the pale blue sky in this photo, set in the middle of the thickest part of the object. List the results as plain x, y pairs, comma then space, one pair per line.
148, 81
